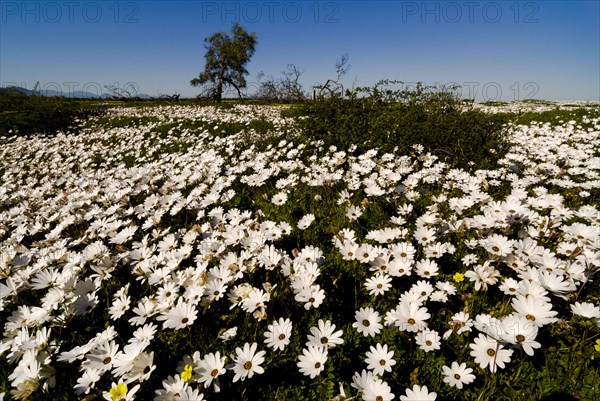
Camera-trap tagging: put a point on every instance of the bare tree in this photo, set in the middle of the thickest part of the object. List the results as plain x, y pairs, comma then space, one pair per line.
125, 93
172, 98
341, 66
285, 89
333, 86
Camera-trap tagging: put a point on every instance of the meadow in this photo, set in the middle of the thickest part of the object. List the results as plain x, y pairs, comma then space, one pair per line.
394, 245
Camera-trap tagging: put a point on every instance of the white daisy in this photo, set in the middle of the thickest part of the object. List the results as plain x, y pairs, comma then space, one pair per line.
458, 375
102, 357
312, 361
278, 334
519, 331
367, 322
210, 368
379, 359
489, 352
410, 317
362, 379
534, 309
418, 393
378, 284
428, 340
324, 335
377, 390
183, 314
87, 380
279, 198
426, 268
498, 245
247, 362
586, 309
311, 296
306, 221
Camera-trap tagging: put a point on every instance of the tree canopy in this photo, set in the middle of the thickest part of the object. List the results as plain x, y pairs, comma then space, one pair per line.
226, 57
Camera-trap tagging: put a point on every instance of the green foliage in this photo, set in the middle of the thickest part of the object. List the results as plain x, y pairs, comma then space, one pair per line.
495, 103
392, 119
226, 57
121, 122
564, 364
24, 114
557, 115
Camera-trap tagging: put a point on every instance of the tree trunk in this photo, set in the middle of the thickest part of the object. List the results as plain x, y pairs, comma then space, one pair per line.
219, 91
230, 82
219, 94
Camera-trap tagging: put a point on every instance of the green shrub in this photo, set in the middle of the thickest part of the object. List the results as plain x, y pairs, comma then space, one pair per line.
389, 119
24, 114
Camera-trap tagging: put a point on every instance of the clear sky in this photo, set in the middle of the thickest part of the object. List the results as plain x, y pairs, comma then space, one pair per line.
496, 50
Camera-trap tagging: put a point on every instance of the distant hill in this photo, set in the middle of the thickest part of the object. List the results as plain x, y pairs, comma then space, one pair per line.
13, 89
74, 94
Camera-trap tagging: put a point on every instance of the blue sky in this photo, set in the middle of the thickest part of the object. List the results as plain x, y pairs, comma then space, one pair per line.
496, 50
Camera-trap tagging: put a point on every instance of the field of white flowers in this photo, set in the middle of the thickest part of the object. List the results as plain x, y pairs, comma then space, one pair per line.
188, 255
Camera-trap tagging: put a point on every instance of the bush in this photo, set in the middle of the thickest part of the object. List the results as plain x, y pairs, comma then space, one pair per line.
24, 114
389, 119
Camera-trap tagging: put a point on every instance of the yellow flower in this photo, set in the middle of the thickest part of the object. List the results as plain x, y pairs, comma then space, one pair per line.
117, 391
458, 277
597, 346
187, 373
